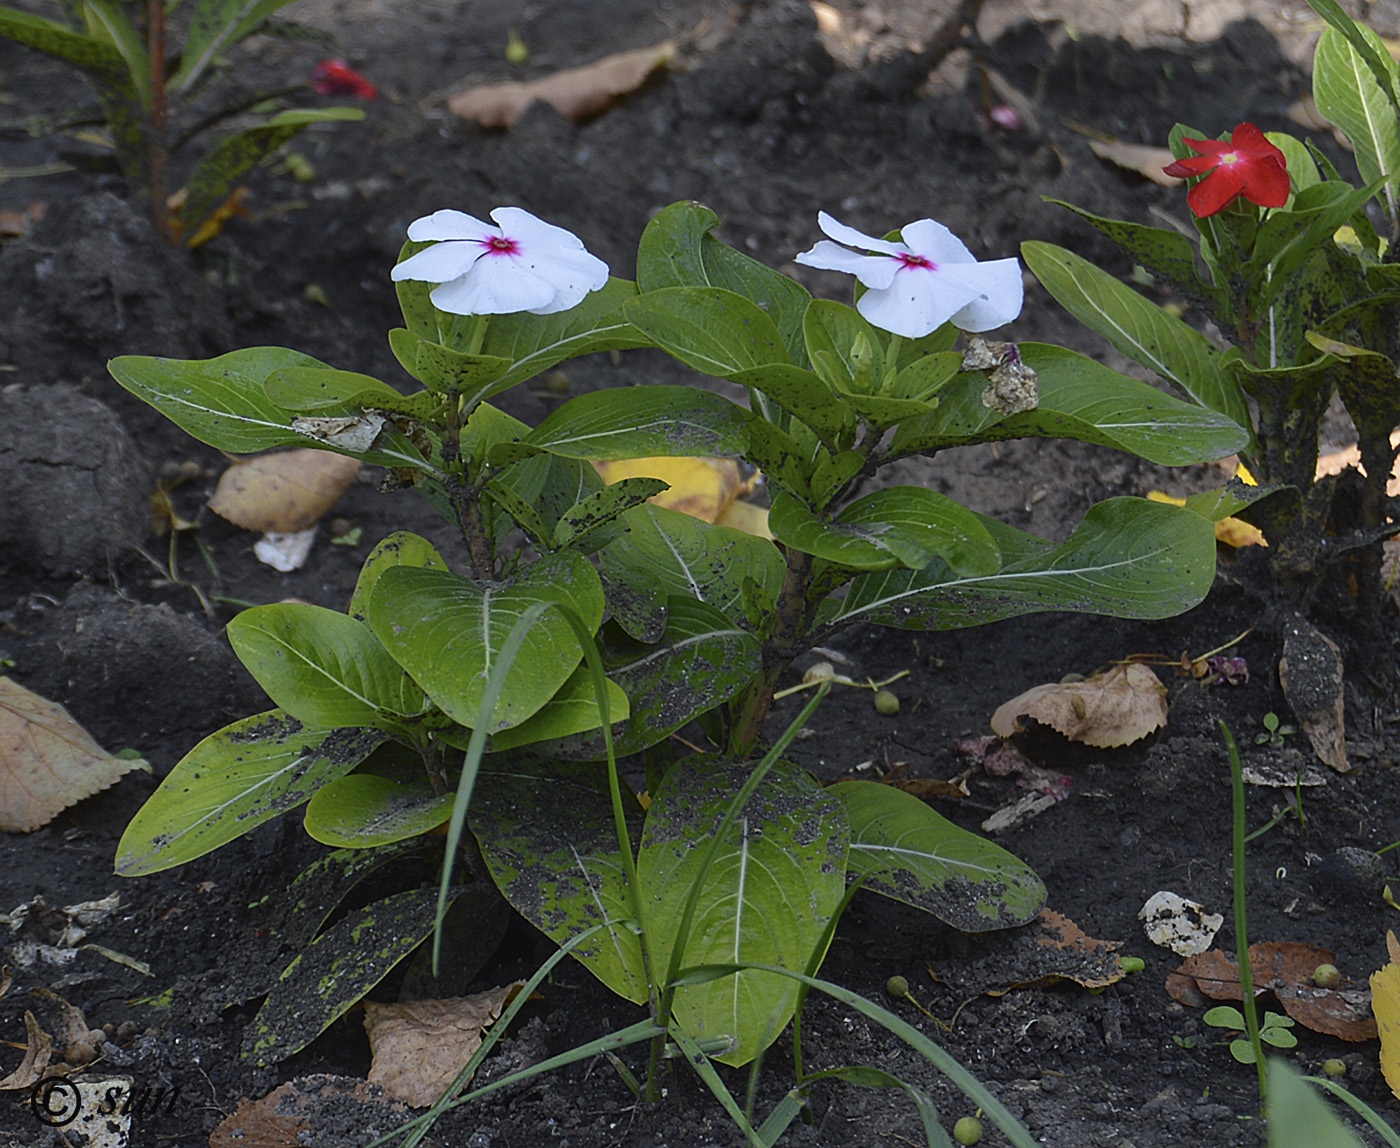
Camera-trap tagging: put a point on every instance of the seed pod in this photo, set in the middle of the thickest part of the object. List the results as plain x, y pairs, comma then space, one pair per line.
968, 1130
1326, 976
886, 702
897, 987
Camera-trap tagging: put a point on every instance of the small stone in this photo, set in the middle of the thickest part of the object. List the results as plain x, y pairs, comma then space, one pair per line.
127, 1030
80, 1053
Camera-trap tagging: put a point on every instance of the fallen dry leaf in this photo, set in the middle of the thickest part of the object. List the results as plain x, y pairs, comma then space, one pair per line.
47, 760
283, 493
1112, 709
419, 1047
1050, 948
1310, 674
704, 488
1173, 922
1385, 1003
578, 94
306, 1110
38, 1050
1141, 158
1284, 968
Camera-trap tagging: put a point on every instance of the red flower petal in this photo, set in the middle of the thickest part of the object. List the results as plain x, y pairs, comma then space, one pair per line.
1217, 190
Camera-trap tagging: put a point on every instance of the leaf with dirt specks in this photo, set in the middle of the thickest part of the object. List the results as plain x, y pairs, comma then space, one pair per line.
234, 780
47, 760
1116, 708
337, 969
419, 1047
909, 853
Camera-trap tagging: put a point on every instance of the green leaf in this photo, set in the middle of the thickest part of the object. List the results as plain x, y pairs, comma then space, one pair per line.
844, 348
106, 20
774, 883
906, 851
899, 526
98, 57
401, 548
336, 971
641, 422
220, 401
216, 26
1298, 1117
234, 156
1167, 255
677, 250
802, 394
473, 377
592, 522
563, 884
1129, 558
1081, 399
717, 332
921, 379
1377, 57
534, 343
1139, 329
447, 632
1347, 92
1286, 240
693, 559
572, 710
323, 667
362, 811
233, 781
320, 390
1302, 168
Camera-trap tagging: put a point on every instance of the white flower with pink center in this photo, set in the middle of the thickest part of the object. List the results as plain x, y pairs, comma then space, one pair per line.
522, 264
915, 286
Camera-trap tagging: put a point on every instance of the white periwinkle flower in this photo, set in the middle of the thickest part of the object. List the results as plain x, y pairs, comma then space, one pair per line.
523, 264
916, 286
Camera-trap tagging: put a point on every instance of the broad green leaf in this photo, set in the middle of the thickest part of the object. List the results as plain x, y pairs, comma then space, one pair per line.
323, 667
98, 57
534, 343
1298, 1117
318, 390
700, 660
832, 474
800, 393
447, 632
1128, 558
641, 422
844, 348
1082, 399
220, 401
1286, 240
677, 250
906, 851
363, 810
693, 559
486, 428
216, 26
1347, 92
1302, 168
401, 548
106, 20
715, 331
564, 883
572, 710
336, 971
1228, 500
443, 371
1376, 56
234, 156
774, 883
1167, 255
592, 523
921, 379
1138, 328
636, 601
233, 781
898, 526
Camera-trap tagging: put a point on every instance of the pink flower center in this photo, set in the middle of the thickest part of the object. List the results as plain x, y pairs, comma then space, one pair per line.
920, 262
501, 245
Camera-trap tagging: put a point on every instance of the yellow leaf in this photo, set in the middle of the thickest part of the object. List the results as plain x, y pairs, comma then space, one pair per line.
1117, 708
283, 493
47, 760
704, 488
1385, 1003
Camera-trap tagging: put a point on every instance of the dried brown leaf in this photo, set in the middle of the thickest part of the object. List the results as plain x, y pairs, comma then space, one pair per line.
419, 1047
283, 493
1284, 968
1141, 158
305, 1110
1051, 948
47, 760
578, 94
36, 1057
1112, 709
1310, 673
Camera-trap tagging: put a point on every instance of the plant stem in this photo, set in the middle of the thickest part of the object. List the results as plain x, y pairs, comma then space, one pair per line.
1251, 1013
155, 53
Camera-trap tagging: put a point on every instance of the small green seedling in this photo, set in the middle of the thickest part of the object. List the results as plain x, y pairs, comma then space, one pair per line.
1273, 1030
1185, 1042
1274, 732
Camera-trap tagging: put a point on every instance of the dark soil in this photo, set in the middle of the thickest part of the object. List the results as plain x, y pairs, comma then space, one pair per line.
763, 126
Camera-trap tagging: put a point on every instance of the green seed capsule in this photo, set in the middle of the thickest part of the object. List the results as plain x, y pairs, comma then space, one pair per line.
1326, 976
1132, 964
886, 702
968, 1130
897, 987
1334, 1067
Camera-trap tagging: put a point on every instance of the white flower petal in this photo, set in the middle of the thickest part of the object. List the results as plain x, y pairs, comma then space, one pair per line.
853, 238
494, 286
1001, 291
449, 224
439, 263
929, 238
917, 304
875, 271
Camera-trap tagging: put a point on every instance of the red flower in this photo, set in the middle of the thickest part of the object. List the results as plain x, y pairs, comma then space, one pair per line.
337, 78
1249, 165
